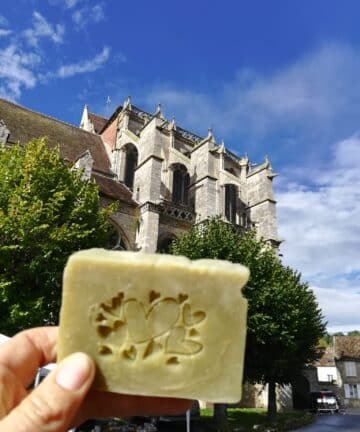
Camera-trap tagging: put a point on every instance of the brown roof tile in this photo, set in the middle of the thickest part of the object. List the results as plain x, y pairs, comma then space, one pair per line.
328, 358
98, 122
114, 189
25, 125
347, 347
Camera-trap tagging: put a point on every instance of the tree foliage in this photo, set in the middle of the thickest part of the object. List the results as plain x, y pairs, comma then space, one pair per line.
284, 320
46, 212
354, 333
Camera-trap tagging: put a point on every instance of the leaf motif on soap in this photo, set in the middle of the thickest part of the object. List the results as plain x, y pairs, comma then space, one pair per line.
176, 343
172, 361
107, 319
192, 318
130, 354
152, 348
104, 330
100, 317
194, 333
104, 349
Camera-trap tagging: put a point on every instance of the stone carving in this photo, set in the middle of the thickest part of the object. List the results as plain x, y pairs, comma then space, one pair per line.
134, 330
176, 212
4, 132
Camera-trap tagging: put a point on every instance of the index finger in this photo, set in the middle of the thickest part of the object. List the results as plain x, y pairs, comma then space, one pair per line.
28, 350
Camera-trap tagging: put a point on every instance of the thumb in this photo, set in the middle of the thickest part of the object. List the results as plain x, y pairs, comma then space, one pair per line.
52, 406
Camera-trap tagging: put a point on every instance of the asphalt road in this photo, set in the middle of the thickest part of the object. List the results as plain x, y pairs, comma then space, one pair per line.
334, 423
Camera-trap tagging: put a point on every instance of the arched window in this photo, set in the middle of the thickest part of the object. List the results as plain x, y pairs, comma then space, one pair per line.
116, 239
131, 161
164, 244
230, 202
181, 182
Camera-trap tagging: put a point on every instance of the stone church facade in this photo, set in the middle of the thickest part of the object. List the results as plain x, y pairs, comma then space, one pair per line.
165, 178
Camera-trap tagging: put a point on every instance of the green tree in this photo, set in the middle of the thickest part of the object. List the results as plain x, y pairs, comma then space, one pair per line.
284, 321
46, 212
326, 340
354, 333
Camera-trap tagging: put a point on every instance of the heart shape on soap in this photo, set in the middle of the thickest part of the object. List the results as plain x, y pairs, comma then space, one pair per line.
192, 318
154, 296
182, 298
176, 343
144, 326
130, 354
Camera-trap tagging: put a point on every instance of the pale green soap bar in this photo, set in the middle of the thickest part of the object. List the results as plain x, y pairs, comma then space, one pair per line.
157, 325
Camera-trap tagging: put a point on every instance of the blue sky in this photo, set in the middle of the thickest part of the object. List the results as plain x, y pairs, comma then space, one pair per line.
279, 78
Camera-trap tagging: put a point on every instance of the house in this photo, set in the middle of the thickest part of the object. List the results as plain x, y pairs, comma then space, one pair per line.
347, 358
165, 177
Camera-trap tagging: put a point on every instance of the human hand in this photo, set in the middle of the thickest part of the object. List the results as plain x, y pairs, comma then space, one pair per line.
64, 398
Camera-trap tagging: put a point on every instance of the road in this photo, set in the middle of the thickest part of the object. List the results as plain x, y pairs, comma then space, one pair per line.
334, 423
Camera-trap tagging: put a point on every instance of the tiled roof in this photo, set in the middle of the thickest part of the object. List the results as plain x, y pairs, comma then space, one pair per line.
25, 125
114, 189
347, 347
327, 359
98, 122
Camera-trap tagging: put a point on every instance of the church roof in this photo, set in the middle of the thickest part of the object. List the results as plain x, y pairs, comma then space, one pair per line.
25, 124
347, 347
114, 189
98, 121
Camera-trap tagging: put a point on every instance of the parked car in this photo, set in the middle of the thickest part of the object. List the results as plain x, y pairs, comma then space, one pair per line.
324, 401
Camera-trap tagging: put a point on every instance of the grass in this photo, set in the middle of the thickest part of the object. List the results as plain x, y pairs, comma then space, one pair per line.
245, 418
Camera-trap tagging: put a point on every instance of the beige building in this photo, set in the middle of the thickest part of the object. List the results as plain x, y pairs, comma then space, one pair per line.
165, 177
347, 359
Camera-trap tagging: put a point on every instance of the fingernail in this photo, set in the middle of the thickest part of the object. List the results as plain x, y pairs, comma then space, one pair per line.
74, 371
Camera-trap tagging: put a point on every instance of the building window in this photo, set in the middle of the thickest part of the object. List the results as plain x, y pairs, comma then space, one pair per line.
330, 378
164, 245
351, 391
230, 202
350, 369
131, 161
244, 220
181, 182
116, 241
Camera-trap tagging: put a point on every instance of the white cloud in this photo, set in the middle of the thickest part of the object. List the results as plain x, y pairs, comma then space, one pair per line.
5, 32
82, 17
22, 65
305, 103
41, 28
321, 222
16, 71
341, 308
320, 225
90, 65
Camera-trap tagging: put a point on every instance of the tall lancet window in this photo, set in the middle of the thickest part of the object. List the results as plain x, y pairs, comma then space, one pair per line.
230, 202
181, 182
131, 161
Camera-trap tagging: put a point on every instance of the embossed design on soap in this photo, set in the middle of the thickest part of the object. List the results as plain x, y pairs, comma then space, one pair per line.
140, 330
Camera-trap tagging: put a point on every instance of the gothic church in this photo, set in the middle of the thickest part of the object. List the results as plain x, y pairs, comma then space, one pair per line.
165, 177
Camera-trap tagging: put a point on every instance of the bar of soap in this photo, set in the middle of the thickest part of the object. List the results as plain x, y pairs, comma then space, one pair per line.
157, 325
